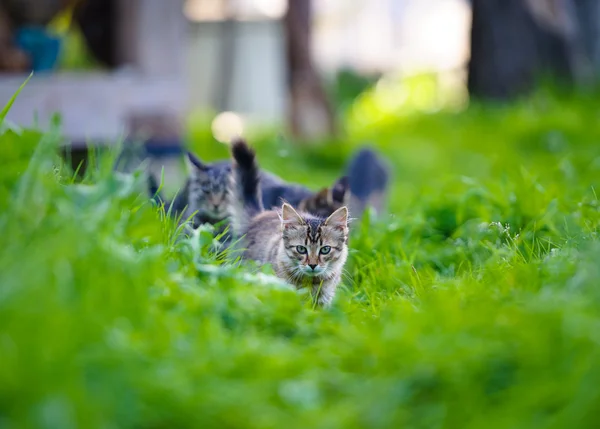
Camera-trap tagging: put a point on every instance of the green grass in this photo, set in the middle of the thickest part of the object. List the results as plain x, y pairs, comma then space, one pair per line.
475, 304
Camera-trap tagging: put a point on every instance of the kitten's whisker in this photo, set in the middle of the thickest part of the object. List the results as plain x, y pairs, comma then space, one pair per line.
346, 275
344, 271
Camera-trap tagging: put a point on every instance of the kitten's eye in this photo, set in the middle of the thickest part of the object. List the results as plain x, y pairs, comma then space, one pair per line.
301, 249
325, 250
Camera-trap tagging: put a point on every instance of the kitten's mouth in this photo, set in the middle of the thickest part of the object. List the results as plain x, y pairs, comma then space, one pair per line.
315, 273
215, 215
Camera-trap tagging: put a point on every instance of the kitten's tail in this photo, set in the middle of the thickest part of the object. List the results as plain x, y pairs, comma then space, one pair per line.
368, 177
246, 198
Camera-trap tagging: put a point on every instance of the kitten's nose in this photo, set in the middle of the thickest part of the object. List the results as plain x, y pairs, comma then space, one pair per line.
216, 207
313, 266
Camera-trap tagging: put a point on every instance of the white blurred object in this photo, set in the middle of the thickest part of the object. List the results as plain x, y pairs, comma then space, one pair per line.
241, 10
392, 35
226, 126
204, 10
273, 9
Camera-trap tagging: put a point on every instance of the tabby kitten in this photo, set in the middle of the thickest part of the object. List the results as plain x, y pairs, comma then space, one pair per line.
204, 194
327, 200
305, 250
206, 191
275, 192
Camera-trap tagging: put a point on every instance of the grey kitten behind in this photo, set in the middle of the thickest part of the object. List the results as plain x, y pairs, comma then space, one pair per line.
275, 192
327, 200
304, 250
204, 195
206, 190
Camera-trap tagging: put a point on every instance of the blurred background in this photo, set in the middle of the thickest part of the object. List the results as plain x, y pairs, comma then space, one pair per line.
152, 71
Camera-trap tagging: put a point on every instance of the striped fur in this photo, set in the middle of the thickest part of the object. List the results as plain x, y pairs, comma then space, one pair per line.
327, 200
305, 250
206, 191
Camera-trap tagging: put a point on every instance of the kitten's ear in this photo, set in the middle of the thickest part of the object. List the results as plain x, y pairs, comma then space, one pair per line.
340, 192
194, 163
339, 218
290, 217
323, 197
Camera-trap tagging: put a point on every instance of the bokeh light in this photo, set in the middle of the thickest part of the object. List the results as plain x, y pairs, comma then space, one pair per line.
226, 126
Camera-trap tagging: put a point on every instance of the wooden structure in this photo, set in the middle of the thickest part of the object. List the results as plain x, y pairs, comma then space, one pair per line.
144, 97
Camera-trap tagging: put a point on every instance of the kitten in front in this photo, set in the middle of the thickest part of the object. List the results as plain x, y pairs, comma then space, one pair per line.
305, 250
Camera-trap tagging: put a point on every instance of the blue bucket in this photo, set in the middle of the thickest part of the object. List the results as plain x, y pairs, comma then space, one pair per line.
43, 49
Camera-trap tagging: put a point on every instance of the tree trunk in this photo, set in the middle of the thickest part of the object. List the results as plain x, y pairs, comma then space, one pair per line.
310, 113
98, 22
513, 42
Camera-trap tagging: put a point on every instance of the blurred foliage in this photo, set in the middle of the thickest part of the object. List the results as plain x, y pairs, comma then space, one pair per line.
474, 303
347, 86
74, 54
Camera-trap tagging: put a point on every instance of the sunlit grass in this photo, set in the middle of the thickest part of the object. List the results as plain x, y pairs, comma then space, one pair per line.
473, 304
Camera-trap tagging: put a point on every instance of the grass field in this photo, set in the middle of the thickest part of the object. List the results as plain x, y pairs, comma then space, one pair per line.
475, 304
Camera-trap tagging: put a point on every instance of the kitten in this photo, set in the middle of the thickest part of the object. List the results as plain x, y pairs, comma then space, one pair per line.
305, 250
321, 203
204, 194
327, 200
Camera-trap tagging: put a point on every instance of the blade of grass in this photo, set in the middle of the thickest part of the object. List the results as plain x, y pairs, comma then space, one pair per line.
8, 105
